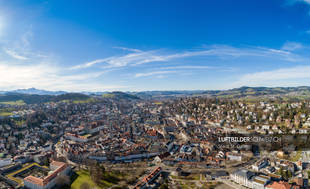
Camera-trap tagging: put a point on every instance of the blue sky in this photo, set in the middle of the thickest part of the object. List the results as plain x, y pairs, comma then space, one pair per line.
141, 45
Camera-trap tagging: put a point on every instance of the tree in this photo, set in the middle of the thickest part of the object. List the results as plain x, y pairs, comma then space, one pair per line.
164, 186
63, 180
289, 174
96, 171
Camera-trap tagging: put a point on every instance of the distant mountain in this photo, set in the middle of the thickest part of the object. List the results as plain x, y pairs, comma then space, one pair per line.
32, 95
158, 94
302, 92
37, 91
283, 92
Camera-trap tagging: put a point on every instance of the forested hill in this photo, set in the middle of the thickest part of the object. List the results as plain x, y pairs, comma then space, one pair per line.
35, 98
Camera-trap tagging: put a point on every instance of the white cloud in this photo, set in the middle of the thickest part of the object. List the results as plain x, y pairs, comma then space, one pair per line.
128, 49
162, 72
291, 46
20, 48
291, 2
26, 38
14, 54
283, 75
186, 67
305, 1
159, 73
50, 77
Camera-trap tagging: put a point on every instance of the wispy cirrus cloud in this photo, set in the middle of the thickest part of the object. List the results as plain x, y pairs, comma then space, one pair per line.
160, 72
14, 54
121, 61
186, 67
292, 2
157, 73
128, 49
20, 48
306, 1
291, 46
139, 57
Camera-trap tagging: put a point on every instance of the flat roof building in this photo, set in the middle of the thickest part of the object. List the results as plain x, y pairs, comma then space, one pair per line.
57, 168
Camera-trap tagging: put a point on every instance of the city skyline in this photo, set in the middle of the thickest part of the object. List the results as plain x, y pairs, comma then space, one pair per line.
154, 45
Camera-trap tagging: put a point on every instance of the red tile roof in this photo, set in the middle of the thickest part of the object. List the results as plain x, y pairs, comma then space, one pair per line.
281, 185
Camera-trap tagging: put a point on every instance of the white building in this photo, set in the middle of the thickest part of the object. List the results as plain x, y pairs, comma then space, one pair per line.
243, 177
5, 162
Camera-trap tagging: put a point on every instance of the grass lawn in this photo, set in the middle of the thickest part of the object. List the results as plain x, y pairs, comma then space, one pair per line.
190, 177
4, 114
109, 179
108, 95
296, 157
83, 176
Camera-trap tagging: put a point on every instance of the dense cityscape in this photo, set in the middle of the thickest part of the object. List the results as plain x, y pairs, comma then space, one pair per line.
120, 140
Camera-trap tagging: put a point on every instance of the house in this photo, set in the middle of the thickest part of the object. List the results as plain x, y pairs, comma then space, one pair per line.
187, 149
293, 131
249, 127
275, 128
5, 161
234, 157
148, 179
281, 185
169, 146
260, 182
265, 127
300, 181
303, 131
260, 164
220, 174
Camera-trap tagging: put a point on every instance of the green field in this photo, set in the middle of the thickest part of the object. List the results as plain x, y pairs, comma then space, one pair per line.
84, 101
108, 95
6, 114
109, 179
16, 103
83, 177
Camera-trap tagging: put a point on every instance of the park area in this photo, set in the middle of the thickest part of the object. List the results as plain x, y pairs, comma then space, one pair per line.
82, 180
